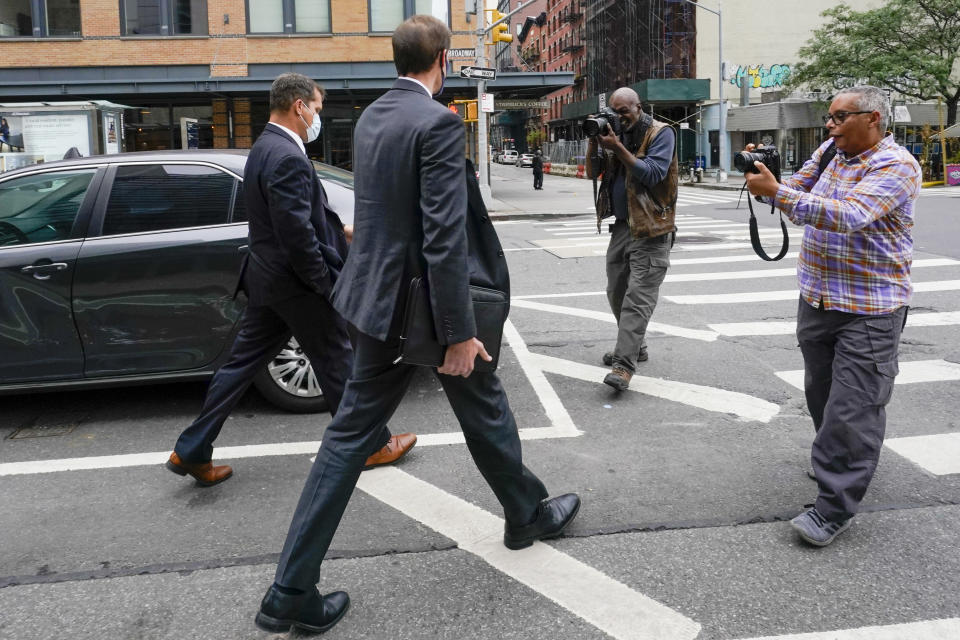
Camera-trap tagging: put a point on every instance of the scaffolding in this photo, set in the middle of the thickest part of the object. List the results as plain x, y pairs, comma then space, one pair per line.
633, 40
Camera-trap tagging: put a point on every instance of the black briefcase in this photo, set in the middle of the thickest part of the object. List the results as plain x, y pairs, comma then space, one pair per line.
418, 341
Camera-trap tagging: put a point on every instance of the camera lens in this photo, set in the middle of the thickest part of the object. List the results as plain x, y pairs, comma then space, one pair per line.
744, 160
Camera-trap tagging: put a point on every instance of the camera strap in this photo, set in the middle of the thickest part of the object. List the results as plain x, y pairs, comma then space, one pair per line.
755, 232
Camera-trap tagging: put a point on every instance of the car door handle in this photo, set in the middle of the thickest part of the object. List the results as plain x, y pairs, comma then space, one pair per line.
244, 248
41, 271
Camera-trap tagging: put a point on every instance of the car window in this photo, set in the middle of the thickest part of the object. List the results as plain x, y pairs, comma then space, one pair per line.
239, 205
41, 207
333, 174
167, 196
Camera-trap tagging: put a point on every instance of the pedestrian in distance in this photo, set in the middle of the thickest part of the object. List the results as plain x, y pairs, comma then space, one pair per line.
297, 246
411, 216
854, 277
639, 191
537, 171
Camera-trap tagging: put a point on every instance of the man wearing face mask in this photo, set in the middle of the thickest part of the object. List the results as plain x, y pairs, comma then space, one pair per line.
297, 247
639, 190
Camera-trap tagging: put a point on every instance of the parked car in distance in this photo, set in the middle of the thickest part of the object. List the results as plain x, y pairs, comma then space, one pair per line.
124, 269
509, 156
525, 160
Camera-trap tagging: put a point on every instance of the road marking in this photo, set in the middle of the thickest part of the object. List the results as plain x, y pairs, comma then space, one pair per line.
716, 224
744, 406
939, 454
792, 294
910, 373
552, 406
776, 328
607, 604
946, 629
606, 316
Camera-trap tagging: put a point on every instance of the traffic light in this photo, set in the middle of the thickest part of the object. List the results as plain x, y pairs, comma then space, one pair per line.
466, 109
501, 32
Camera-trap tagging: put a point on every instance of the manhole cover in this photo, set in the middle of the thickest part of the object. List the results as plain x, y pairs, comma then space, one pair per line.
697, 239
48, 425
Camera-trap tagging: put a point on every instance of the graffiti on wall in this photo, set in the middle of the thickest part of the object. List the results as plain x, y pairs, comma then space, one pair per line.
761, 77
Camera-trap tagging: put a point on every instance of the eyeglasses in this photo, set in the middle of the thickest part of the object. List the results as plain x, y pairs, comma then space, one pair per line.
840, 116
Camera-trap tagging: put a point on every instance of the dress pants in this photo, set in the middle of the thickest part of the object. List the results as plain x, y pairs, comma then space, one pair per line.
537, 179
850, 364
321, 333
372, 394
636, 268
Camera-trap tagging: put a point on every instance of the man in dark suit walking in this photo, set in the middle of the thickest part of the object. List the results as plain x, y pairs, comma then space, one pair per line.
537, 170
410, 220
296, 250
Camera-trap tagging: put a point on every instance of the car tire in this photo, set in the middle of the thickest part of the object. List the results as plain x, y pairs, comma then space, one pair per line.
288, 382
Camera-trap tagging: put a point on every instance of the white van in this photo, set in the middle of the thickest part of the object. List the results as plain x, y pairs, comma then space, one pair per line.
509, 156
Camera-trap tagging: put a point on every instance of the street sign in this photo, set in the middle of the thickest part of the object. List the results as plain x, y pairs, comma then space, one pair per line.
484, 73
514, 105
461, 53
486, 102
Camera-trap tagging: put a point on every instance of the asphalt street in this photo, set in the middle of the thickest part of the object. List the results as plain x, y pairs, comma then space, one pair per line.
687, 479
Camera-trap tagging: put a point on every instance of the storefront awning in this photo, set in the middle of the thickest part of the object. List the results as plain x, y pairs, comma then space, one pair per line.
671, 91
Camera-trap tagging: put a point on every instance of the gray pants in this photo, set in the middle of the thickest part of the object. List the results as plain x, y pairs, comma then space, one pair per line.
850, 363
635, 269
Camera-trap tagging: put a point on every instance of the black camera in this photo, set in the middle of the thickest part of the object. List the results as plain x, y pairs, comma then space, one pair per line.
769, 156
602, 123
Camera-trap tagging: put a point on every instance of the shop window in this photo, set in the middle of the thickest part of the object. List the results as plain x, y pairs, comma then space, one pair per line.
288, 16
386, 15
40, 18
163, 17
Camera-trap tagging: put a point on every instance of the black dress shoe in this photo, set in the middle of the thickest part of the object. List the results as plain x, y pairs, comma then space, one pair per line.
307, 611
552, 518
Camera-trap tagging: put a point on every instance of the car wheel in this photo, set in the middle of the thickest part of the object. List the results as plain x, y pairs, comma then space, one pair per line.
288, 381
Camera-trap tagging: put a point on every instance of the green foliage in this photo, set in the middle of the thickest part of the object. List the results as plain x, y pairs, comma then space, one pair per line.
911, 47
534, 138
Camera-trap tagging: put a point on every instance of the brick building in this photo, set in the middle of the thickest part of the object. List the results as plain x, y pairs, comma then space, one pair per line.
214, 60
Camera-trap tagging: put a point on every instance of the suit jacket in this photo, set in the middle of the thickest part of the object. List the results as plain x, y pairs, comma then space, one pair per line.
409, 216
297, 244
486, 262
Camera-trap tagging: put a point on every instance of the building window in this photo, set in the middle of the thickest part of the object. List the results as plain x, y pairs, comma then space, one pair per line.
163, 17
40, 18
386, 15
288, 16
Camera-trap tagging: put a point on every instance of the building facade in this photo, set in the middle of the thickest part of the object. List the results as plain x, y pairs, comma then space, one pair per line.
212, 61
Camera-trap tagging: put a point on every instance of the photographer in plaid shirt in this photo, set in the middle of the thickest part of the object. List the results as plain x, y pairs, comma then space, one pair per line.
854, 277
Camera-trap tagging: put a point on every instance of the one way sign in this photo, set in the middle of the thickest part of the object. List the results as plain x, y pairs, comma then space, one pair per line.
484, 73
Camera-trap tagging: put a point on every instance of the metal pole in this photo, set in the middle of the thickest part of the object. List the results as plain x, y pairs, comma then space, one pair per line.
722, 133
481, 114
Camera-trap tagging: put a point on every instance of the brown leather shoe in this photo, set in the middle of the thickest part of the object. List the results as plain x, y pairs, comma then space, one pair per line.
397, 447
619, 379
203, 472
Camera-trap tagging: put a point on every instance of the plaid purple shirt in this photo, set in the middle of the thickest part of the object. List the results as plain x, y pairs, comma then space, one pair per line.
857, 245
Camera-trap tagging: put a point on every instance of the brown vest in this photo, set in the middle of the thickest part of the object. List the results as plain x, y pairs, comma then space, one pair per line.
651, 212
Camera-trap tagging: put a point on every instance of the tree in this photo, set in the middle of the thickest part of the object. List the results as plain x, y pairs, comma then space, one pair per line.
911, 47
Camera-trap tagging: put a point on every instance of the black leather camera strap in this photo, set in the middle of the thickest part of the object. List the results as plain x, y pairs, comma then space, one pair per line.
755, 233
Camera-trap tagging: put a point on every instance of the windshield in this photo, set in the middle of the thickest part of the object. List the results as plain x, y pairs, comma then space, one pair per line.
334, 174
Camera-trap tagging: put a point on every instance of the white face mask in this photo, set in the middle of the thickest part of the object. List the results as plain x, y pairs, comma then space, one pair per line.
313, 129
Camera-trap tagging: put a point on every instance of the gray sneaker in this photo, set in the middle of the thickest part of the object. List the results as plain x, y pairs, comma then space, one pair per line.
817, 530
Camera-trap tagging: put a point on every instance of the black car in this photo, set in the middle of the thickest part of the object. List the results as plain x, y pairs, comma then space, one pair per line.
124, 269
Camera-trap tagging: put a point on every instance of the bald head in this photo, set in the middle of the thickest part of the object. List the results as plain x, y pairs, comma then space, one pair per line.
626, 103
626, 95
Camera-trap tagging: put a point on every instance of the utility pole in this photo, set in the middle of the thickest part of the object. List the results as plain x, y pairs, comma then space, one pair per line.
481, 114
482, 29
721, 104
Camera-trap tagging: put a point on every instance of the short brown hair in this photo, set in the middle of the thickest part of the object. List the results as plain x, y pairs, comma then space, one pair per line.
416, 43
287, 88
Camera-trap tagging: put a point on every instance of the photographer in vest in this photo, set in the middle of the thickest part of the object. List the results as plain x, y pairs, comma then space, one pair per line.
639, 191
